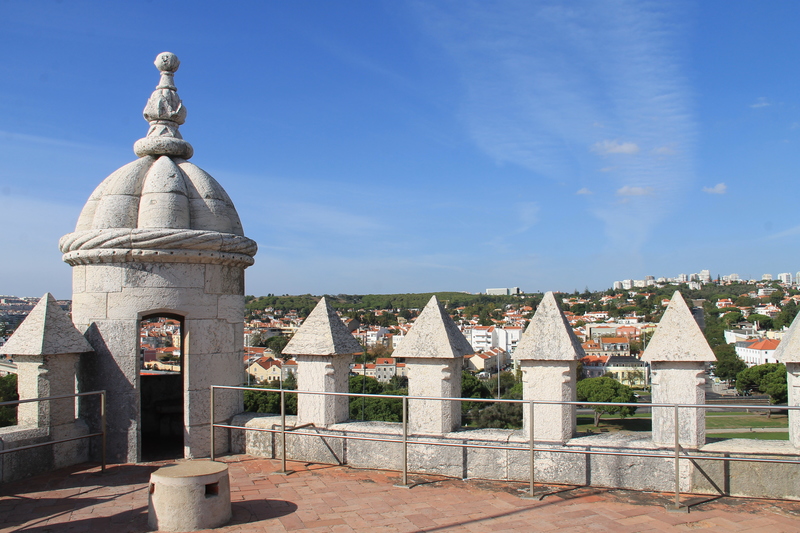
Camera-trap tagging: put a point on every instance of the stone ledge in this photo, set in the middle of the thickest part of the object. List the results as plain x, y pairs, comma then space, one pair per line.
557, 466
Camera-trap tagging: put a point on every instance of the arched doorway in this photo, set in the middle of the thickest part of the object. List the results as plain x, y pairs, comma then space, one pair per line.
161, 364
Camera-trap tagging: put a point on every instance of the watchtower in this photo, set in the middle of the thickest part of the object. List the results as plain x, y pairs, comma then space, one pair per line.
160, 237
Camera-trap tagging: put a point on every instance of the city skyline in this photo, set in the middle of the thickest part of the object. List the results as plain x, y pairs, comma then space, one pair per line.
377, 147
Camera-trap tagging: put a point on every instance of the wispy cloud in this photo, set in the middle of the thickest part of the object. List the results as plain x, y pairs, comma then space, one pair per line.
786, 233
760, 102
719, 188
584, 190
8, 136
528, 213
629, 190
665, 150
615, 147
541, 78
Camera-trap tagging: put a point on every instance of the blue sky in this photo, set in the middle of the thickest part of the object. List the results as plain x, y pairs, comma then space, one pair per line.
385, 146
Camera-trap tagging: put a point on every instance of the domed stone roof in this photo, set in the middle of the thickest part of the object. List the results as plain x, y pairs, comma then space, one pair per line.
160, 207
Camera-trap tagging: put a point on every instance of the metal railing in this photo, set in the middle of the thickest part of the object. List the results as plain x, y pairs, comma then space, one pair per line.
102, 432
531, 448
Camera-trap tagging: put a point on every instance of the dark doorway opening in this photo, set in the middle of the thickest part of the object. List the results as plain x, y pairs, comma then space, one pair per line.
161, 386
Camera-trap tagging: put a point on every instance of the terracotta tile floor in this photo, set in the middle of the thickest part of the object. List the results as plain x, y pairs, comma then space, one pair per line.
335, 498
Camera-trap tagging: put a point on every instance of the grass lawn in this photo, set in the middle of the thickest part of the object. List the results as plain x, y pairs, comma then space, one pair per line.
747, 421
771, 435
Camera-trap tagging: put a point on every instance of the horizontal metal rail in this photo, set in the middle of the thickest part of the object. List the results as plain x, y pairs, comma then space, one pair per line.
677, 452
102, 432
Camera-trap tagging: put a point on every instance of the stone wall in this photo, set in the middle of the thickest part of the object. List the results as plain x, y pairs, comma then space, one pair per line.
562, 465
108, 302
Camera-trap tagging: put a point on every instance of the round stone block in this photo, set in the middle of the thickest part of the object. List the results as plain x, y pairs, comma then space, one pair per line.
189, 496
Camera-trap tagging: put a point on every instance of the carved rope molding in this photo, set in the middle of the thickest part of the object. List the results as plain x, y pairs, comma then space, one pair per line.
119, 245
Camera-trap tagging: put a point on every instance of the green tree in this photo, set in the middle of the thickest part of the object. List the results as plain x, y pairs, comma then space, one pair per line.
769, 378
732, 317
728, 364
776, 297
501, 415
786, 316
363, 408
472, 387
269, 401
277, 343
507, 380
8, 393
761, 321
605, 389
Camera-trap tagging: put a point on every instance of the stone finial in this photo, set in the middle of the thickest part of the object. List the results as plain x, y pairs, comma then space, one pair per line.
47, 330
323, 333
788, 351
678, 337
549, 337
165, 113
434, 335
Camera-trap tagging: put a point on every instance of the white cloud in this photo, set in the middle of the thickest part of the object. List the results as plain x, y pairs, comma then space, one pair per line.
615, 147
629, 190
528, 213
584, 191
719, 188
786, 233
665, 150
608, 169
542, 79
760, 102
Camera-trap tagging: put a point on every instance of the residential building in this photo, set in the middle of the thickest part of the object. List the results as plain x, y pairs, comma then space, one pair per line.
757, 351
507, 338
628, 370
722, 303
480, 337
594, 366
504, 292
486, 361
387, 367
265, 370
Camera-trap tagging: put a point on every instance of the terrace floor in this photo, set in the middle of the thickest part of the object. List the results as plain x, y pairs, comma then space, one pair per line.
339, 498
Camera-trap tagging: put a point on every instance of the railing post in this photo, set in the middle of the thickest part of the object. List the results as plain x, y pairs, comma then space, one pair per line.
213, 457
103, 429
531, 492
283, 435
405, 484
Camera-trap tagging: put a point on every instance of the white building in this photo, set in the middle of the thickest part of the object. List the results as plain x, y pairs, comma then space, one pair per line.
507, 338
758, 351
785, 278
504, 291
480, 337
766, 277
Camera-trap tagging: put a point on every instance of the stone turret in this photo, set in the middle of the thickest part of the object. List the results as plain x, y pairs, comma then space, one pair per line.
434, 351
46, 348
788, 353
677, 355
323, 348
161, 237
548, 354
